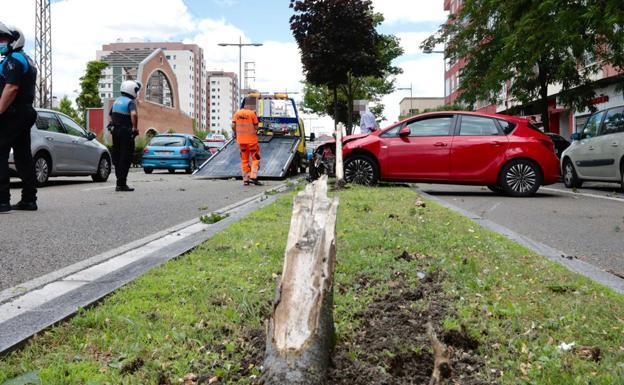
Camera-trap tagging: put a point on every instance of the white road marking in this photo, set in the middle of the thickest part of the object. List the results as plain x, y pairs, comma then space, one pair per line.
98, 188
583, 194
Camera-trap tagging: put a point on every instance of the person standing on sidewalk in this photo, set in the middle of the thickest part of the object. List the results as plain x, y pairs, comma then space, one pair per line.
245, 128
368, 122
18, 75
125, 127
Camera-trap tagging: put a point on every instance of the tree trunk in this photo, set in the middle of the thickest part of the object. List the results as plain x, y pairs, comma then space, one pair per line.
335, 107
349, 93
543, 98
301, 330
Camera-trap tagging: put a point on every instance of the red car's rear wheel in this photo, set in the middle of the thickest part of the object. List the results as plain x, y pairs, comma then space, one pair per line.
520, 178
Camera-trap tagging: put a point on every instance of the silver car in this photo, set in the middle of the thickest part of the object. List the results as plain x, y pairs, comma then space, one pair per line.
60, 147
597, 152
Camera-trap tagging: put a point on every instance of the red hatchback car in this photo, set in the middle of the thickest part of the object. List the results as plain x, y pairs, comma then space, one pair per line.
502, 152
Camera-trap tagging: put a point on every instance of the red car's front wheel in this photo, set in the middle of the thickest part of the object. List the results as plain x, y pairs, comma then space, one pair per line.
361, 169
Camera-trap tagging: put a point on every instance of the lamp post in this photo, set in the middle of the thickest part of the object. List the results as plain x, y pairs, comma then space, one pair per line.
240, 46
430, 51
411, 98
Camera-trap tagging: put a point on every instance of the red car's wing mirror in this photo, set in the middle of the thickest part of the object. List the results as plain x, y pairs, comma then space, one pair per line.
404, 132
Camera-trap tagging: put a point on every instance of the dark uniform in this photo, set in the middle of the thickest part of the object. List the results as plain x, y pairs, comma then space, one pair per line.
15, 124
123, 137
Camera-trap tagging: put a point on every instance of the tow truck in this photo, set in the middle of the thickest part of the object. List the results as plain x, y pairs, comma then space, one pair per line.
281, 137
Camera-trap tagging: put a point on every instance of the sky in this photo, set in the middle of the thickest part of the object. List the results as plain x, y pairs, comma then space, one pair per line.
81, 27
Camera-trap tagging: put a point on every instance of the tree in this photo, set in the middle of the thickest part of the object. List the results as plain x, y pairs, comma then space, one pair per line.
338, 42
528, 46
318, 99
66, 108
89, 96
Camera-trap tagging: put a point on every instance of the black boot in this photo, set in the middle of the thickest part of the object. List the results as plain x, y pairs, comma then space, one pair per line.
256, 182
124, 188
5, 207
25, 206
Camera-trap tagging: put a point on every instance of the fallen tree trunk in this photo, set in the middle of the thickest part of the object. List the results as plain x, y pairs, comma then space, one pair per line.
300, 332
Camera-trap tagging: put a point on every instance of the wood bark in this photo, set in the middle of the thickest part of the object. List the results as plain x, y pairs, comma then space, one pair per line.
300, 333
441, 359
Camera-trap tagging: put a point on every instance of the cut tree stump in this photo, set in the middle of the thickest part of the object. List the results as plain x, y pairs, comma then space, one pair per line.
300, 333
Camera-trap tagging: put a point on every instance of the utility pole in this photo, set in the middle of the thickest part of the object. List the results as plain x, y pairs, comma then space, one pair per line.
240, 46
43, 53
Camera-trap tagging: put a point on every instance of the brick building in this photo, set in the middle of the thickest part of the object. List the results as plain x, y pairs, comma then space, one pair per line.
563, 121
187, 62
158, 103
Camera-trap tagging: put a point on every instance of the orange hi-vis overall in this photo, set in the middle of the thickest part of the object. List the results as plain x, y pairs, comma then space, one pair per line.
247, 138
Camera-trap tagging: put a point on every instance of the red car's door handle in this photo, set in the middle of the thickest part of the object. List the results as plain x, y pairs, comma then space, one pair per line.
496, 143
440, 144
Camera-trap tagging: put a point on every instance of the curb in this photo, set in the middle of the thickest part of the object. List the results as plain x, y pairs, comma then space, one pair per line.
590, 271
40, 303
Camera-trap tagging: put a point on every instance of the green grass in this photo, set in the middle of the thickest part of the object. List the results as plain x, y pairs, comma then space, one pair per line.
196, 313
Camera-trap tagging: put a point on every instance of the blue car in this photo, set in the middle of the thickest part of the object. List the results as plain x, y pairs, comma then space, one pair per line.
174, 152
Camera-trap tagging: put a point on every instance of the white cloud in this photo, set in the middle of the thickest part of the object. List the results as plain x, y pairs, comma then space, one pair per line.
411, 11
410, 41
76, 37
426, 76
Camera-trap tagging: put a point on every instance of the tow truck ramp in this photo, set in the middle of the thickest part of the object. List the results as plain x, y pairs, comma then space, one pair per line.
276, 152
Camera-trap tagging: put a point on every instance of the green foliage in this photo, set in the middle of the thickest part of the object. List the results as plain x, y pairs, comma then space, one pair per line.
529, 45
67, 108
201, 134
89, 96
171, 131
212, 218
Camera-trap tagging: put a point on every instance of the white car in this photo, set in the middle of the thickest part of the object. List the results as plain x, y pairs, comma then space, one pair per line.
597, 152
60, 147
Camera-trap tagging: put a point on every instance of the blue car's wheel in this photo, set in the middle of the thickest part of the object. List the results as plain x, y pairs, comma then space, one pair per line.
192, 166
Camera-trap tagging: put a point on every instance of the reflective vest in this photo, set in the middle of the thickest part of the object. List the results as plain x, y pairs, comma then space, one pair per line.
245, 121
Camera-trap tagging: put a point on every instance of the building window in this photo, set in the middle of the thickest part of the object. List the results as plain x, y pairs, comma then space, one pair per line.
158, 89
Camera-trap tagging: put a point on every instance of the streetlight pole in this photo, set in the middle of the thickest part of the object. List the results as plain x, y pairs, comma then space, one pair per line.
240, 46
430, 51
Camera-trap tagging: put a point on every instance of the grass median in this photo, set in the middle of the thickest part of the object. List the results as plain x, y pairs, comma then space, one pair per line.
509, 317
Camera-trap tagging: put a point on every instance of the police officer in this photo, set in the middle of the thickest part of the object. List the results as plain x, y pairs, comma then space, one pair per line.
18, 76
125, 122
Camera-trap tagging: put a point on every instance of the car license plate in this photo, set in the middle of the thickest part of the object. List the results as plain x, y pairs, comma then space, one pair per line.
164, 152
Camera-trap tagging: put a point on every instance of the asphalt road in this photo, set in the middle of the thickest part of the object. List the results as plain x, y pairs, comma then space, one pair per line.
78, 219
587, 223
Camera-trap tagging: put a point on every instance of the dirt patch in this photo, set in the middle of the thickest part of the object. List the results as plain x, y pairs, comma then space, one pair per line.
391, 346
132, 366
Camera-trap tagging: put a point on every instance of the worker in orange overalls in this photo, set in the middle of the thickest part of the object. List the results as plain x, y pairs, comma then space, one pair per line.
245, 127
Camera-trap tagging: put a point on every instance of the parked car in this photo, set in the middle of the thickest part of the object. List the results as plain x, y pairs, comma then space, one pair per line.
61, 147
502, 152
597, 151
174, 152
214, 145
561, 143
